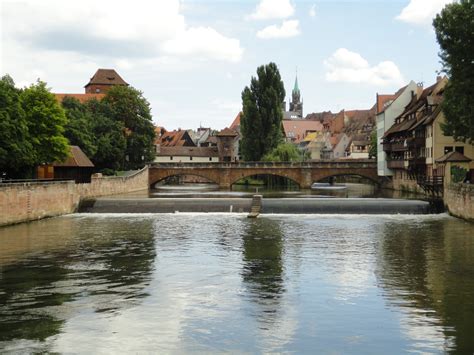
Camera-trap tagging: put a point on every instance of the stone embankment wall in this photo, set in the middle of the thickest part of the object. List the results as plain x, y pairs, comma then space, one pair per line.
459, 200
406, 185
22, 202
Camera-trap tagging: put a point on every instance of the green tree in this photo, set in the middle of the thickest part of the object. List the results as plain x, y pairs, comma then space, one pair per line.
46, 120
261, 126
373, 145
108, 135
454, 28
16, 151
79, 127
285, 152
128, 107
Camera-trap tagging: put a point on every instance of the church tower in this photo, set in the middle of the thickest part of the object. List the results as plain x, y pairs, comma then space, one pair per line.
296, 105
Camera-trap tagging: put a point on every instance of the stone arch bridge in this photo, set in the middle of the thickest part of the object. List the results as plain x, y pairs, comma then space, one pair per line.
304, 174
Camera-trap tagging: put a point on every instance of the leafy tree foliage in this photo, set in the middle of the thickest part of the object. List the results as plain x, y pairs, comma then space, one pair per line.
454, 28
373, 145
46, 120
128, 107
16, 151
79, 127
108, 137
285, 152
262, 113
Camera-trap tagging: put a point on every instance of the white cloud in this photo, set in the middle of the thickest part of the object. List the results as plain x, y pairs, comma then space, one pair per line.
273, 9
288, 29
312, 11
204, 42
114, 28
350, 67
422, 12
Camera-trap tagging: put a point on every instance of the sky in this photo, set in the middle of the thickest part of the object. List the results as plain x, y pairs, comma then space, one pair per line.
192, 58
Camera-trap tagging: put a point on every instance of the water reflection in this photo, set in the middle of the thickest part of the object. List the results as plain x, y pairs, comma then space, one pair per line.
427, 271
49, 267
262, 254
213, 283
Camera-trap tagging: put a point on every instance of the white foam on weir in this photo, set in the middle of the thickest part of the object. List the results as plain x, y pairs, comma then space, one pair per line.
366, 216
263, 215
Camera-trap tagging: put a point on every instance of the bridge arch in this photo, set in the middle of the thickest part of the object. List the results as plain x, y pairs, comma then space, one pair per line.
157, 176
246, 175
362, 174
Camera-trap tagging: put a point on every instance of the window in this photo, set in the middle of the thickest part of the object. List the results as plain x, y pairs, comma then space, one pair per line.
459, 150
448, 149
171, 158
190, 158
210, 158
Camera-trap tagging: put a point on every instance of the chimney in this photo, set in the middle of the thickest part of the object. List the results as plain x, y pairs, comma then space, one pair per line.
439, 78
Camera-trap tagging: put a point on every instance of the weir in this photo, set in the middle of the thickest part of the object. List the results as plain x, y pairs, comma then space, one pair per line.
269, 206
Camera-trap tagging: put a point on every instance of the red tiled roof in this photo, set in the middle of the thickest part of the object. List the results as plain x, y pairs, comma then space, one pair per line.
227, 132
106, 77
81, 97
236, 123
382, 99
189, 151
297, 129
175, 139
453, 157
77, 158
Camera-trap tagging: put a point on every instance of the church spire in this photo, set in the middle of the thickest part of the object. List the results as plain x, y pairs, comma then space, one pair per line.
296, 89
296, 105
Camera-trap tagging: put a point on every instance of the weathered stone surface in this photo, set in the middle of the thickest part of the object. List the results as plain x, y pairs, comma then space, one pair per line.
304, 174
30, 201
459, 200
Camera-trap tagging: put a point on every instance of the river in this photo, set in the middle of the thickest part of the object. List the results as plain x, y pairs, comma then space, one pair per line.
212, 283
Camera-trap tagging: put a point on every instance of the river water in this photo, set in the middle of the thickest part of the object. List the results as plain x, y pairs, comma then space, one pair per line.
212, 283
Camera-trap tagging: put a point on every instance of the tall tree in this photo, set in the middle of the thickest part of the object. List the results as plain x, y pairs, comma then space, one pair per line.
16, 151
128, 106
79, 127
46, 120
373, 145
454, 28
108, 137
262, 115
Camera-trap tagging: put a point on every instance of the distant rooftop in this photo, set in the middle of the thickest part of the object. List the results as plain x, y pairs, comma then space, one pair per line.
106, 77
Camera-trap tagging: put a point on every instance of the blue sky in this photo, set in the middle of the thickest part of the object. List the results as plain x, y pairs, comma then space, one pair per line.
193, 58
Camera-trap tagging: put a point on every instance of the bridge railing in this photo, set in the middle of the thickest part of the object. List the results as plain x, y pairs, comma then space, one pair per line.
267, 164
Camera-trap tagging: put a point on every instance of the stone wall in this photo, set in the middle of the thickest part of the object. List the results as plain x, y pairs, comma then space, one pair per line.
114, 185
22, 202
459, 200
406, 185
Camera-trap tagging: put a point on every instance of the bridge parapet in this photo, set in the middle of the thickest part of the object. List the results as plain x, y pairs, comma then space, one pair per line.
265, 164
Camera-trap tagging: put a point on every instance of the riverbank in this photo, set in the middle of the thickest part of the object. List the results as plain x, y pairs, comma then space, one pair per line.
29, 201
459, 200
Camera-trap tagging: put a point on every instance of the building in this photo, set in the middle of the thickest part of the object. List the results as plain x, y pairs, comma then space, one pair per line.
103, 80
228, 145
389, 107
77, 167
296, 104
416, 148
295, 131
359, 148
97, 87
185, 154
339, 144
176, 138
